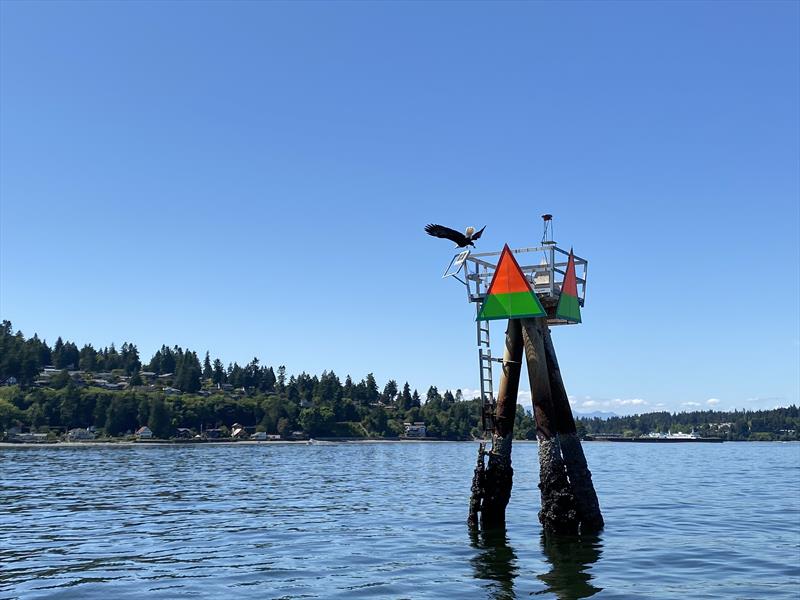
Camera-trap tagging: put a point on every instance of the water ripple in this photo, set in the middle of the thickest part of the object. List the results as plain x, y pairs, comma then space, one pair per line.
387, 520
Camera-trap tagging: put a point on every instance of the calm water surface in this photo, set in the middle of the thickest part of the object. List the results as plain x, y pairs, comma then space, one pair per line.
388, 521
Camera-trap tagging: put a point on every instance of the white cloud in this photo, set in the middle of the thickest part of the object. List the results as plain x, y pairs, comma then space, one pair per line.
712, 401
612, 405
469, 394
690, 404
630, 402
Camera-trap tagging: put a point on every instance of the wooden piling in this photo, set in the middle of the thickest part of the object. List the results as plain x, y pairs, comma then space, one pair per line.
558, 513
580, 477
476, 496
498, 478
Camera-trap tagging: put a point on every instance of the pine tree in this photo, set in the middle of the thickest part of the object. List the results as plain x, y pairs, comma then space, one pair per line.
389, 391
207, 371
404, 401
218, 375
371, 389
159, 421
87, 360
56, 354
281, 379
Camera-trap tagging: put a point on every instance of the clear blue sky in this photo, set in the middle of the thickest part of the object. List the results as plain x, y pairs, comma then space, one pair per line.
253, 178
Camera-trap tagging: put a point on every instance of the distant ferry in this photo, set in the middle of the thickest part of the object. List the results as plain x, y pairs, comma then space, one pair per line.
658, 438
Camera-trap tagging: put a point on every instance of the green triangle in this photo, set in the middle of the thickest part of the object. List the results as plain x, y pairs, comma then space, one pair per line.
515, 305
569, 308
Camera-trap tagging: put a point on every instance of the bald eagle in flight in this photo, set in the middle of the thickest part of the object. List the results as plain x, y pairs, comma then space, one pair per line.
462, 240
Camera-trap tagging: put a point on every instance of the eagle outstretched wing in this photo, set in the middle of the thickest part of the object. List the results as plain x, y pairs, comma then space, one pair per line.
475, 236
445, 232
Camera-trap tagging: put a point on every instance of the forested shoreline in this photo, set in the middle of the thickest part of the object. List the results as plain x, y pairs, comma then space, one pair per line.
54, 389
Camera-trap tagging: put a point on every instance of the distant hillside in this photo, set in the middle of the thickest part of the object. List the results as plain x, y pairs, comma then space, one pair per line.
596, 414
758, 425
54, 389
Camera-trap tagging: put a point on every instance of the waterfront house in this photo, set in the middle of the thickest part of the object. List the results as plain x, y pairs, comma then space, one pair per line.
416, 429
144, 433
238, 431
79, 435
259, 436
183, 433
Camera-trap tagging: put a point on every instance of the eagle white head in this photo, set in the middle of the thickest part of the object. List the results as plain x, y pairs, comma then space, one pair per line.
469, 231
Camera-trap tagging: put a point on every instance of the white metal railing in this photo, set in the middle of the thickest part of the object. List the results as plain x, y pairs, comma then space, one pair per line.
543, 266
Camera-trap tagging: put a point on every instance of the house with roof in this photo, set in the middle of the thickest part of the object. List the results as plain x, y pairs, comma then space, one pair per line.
239, 431
415, 429
144, 433
80, 435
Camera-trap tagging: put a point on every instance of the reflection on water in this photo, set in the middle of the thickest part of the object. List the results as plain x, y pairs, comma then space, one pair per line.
386, 520
495, 561
570, 559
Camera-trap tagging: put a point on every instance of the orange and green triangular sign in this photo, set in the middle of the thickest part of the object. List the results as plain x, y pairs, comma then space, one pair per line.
509, 295
568, 307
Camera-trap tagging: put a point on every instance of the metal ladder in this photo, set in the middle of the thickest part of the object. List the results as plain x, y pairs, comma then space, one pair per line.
485, 366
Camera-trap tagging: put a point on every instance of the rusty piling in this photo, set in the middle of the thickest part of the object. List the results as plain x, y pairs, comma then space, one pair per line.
558, 513
498, 478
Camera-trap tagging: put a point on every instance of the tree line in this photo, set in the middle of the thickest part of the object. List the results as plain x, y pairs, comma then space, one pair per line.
261, 397
737, 425
266, 399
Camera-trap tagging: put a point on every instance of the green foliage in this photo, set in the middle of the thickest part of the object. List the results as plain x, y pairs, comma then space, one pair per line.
160, 420
317, 421
760, 425
320, 406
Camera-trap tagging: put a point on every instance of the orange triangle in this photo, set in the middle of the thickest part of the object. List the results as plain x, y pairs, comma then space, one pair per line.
508, 277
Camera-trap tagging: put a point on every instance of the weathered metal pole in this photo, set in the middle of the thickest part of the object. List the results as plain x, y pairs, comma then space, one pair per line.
558, 513
580, 477
498, 478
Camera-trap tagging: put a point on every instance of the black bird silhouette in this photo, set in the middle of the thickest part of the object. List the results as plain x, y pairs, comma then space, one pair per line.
462, 240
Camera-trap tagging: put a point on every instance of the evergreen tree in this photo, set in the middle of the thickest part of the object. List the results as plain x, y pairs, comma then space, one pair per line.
143, 412
218, 376
267, 380
58, 362
208, 373
371, 391
129, 358
390, 391
87, 360
159, 421
136, 379
188, 373
448, 399
347, 392
404, 402
281, 379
